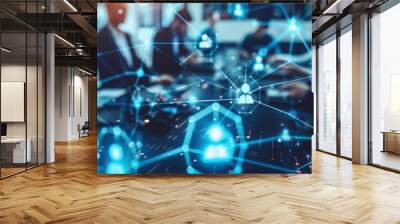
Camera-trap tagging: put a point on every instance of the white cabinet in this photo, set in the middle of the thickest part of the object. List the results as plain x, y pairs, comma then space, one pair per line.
19, 155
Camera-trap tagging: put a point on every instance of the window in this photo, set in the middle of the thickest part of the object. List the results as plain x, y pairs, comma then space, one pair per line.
385, 89
346, 94
327, 96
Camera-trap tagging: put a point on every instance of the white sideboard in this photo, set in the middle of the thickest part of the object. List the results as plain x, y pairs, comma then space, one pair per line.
18, 148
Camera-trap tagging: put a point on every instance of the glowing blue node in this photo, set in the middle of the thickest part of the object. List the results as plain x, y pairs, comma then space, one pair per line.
245, 88
135, 165
238, 11
237, 170
137, 104
140, 73
193, 99
293, 25
116, 152
116, 131
221, 146
115, 168
216, 133
185, 148
285, 135
191, 170
215, 106
216, 153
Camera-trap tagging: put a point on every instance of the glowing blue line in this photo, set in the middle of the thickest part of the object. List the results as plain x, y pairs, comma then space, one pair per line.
187, 58
191, 73
259, 141
301, 167
245, 74
301, 137
276, 40
284, 11
227, 77
174, 102
270, 72
280, 83
160, 157
177, 14
194, 101
304, 42
225, 115
180, 89
286, 113
265, 165
241, 160
119, 75
302, 68
217, 85
291, 46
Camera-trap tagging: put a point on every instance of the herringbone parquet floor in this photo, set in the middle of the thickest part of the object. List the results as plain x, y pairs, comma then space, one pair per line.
70, 191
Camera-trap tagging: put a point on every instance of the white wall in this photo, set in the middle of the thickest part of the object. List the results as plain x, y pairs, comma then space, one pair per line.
12, 73
33, 127
71, 94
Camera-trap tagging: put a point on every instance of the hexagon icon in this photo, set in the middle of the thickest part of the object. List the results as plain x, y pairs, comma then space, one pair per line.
222, 147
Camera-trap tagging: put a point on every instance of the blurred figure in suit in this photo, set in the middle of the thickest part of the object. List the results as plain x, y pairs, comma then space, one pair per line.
120, 72
169, 45
254, 42
115, 52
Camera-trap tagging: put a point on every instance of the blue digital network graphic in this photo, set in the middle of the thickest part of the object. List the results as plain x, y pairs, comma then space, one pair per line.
253, 114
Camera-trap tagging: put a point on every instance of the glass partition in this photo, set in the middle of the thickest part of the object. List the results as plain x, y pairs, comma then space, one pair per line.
14, 153
327, 96
22, 88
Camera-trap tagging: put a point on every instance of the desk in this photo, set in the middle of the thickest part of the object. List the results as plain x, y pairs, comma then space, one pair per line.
15, 148
391, 141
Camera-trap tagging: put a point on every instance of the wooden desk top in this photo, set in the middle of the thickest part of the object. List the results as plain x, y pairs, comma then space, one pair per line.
391, 132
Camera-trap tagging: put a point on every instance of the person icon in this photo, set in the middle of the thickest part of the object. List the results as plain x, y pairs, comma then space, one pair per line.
238, 11
245, 98
258, 65
206, 42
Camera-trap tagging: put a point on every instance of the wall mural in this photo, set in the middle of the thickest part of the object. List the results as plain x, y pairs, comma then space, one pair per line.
213, 88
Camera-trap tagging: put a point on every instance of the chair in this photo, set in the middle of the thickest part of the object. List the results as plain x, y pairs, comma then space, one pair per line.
84, 130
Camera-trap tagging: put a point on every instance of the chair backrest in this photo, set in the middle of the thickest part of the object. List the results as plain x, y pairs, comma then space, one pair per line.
86, 124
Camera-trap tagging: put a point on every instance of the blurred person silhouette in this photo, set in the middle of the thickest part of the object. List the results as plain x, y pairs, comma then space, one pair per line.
120, 70
169, 45
116, 54
255, 42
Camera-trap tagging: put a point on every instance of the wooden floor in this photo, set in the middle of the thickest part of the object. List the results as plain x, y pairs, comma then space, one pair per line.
70, 191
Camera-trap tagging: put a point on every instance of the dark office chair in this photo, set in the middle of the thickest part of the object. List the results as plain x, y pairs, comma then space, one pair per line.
84, 130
